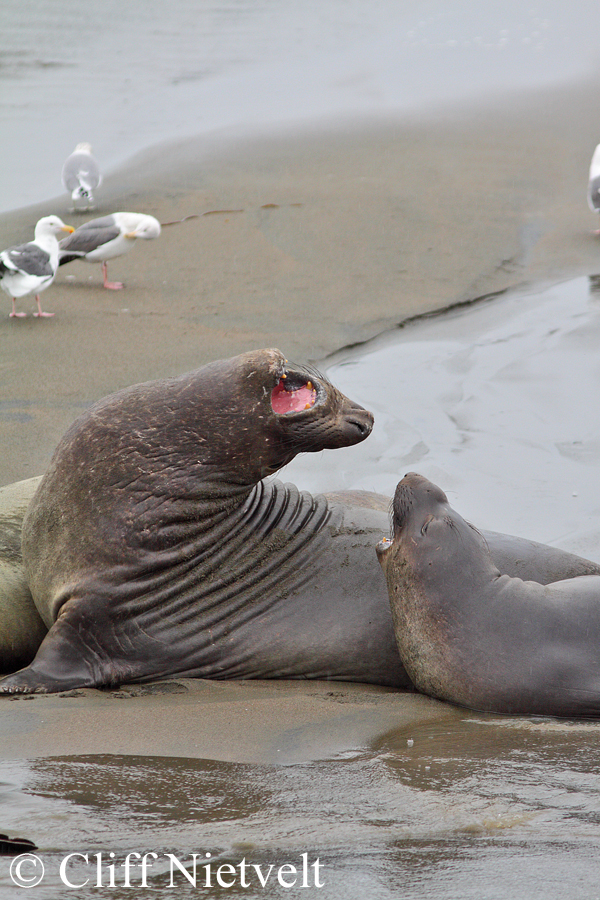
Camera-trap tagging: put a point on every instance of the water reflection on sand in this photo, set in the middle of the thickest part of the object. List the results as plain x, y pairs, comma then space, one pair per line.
478, 807
495, 402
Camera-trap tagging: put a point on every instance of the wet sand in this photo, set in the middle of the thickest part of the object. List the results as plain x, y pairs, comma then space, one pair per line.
261, 722
491, 401
444, 803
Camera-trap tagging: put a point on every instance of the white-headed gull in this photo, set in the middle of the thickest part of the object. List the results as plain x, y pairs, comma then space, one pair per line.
30, 268
81, 176
105, 238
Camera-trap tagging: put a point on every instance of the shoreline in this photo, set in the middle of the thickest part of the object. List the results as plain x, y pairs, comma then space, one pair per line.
316, 240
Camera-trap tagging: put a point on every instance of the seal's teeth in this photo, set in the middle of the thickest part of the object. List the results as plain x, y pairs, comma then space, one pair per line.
286, 398
309, 385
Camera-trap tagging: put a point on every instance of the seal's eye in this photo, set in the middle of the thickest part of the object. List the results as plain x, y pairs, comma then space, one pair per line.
292, 394
426, 524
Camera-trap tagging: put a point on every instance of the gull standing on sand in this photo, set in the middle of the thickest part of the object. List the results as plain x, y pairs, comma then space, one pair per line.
30, 268
105, 238
594, 183
81, 176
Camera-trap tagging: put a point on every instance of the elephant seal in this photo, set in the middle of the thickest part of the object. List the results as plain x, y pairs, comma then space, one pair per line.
154, 547
475, 637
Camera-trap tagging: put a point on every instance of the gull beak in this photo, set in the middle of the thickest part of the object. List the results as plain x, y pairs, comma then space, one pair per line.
68, 229
131, 235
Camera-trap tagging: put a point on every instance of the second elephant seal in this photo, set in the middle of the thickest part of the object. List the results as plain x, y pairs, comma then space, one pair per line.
475, 637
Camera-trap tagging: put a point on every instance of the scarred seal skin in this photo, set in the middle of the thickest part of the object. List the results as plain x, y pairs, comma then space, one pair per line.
153, 546
477, 638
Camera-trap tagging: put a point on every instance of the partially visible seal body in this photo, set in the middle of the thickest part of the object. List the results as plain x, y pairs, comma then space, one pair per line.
21, 627
475, 637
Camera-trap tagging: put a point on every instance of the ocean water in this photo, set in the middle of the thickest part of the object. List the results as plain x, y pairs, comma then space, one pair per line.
125, 76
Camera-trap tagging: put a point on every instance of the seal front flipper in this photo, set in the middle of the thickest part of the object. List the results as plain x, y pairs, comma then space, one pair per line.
63, 661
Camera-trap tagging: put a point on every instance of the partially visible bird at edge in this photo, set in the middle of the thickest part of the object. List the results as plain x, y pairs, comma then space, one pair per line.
593, 195
30, 268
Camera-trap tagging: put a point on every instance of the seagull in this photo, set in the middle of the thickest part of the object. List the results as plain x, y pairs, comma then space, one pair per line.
30, 268
105, 238
81, 175
594, 183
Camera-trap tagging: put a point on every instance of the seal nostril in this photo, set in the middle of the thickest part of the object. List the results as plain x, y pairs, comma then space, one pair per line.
361, 427
362, 424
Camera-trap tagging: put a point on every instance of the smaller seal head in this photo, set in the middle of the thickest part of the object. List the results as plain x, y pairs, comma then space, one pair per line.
417, 503
420, 513
427, 530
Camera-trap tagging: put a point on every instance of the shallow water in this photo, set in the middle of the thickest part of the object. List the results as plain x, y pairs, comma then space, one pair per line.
125, 76
479, 807
496, 402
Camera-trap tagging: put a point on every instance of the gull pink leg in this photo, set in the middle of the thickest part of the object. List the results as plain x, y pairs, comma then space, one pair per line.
40, 314
112, 285
14, 314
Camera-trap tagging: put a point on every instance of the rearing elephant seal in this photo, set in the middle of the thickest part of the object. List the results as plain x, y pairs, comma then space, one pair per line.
153, 547
475, 637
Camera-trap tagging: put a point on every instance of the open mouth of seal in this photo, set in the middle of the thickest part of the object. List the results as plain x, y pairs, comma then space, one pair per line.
293, 393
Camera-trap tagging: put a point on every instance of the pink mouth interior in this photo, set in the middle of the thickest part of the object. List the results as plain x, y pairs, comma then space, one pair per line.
284, 401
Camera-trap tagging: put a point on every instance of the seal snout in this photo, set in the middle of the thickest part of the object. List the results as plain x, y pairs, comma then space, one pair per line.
402, 505
423, 488
359, 419
415, 491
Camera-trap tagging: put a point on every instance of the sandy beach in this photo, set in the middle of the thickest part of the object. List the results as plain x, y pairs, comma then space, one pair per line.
307, 241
